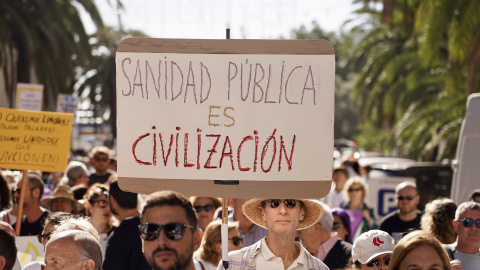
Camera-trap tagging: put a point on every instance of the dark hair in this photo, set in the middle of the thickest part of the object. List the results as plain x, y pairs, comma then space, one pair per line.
171, 198
35, 182
8, 249
125, 199
56, 218
341, 170
475, 193
5, 195
94, 192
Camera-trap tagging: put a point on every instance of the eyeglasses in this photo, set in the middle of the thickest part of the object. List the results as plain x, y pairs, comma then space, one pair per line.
335, 225
408, 198
376, 262
44, 237
206, 207
100, 159
354, 189
101, 203
468, 222
236, 240
173, 231
274, 203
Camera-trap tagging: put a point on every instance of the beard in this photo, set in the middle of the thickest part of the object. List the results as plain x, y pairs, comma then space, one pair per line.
180, 263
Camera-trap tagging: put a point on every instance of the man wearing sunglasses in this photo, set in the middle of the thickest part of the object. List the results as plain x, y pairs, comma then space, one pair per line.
124, 247
100, 159
467, 226
324, 244
407, 215
282, 218
169, 231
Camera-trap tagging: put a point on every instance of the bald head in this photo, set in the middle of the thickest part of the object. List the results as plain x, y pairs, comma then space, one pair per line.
73, 249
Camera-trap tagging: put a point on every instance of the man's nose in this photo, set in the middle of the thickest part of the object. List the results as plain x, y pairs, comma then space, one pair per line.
162, 239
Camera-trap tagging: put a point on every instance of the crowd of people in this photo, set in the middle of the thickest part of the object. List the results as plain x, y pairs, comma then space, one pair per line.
84, 220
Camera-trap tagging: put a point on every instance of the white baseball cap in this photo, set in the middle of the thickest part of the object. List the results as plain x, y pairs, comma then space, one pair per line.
372, 244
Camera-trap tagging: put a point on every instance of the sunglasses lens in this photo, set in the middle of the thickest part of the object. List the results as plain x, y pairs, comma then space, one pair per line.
477, 223
373, 263
274, 203
335, 225
149, 232
174, 231
468, 222
290, 203
208, 207
386, 261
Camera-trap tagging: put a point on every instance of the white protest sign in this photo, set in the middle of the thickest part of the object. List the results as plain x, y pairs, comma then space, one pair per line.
67, 103
28, 249
29, 96
249, 117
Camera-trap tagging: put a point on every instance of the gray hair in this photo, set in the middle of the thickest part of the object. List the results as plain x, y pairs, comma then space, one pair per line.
75, 170
77, 223
88, 246
472, 205
327, 218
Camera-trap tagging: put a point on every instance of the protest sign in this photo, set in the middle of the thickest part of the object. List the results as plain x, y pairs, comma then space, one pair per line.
29, 96
256, 111
28, 249
34, 140
67, 103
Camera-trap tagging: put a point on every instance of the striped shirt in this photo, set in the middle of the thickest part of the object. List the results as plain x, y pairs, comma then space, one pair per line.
325, 248
246, 258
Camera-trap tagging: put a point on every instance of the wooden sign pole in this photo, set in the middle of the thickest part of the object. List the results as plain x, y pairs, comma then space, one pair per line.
225, 233
20, 202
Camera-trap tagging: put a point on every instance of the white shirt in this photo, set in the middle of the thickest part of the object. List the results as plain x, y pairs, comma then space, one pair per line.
268, 260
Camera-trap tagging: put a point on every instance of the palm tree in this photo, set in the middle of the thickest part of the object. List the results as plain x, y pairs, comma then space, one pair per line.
43, 42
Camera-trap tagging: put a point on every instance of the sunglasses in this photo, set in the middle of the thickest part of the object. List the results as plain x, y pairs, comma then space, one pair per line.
206, 207
408, 198
354, 189
44, 237
468, 222
236, 240
274, 203
173, 231
100, 159
101, 203
376, 262
335, 225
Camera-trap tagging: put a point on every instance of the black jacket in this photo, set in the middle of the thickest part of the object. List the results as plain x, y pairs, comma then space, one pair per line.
339, 255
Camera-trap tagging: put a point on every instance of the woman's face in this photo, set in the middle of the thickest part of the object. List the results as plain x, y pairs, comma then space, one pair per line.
422, 258
380, 262
341, 231
205, 209
100, 209
355, 192
233, 237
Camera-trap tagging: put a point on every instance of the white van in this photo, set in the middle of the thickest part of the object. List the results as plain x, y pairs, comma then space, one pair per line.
466, 167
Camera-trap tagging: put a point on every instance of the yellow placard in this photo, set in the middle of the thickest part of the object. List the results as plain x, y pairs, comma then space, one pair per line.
34, 140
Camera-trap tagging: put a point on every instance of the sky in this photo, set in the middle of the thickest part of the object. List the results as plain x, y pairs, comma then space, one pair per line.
208, 19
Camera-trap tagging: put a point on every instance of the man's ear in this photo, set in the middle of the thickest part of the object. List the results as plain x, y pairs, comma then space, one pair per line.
36, 193
88, 264
197, 239
264, 215
302, 215
455, 225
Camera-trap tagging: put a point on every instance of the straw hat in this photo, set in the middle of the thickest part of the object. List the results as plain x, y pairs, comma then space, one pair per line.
62, 191
253, 211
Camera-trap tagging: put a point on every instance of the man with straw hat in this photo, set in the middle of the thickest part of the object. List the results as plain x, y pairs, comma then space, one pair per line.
282, 218
62, 200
